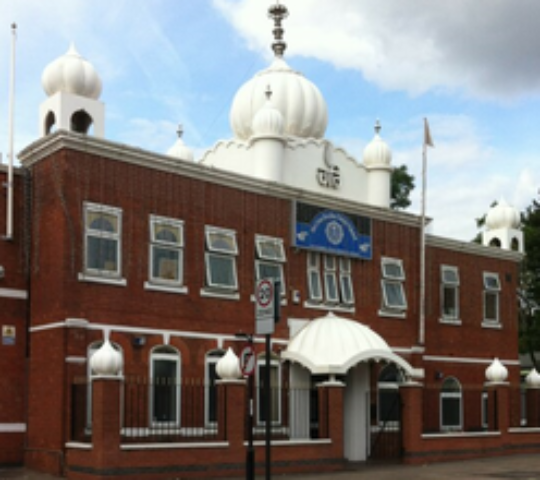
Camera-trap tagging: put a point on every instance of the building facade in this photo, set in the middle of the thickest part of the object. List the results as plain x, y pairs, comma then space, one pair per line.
159, 256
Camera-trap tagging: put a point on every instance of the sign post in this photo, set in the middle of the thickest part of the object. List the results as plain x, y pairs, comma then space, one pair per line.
247, 366
267, 301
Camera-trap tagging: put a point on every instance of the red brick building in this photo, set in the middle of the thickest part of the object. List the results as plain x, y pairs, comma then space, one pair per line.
161, 255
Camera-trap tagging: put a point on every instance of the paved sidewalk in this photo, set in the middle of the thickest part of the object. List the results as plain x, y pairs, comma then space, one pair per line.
517, 467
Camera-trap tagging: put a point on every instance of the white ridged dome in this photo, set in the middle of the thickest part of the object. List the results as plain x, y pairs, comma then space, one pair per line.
533, 379
107, 360
228, 366
298, 100
268, 120
179, 149
71, 73
496, 372
377, 153
332, 345
502, 215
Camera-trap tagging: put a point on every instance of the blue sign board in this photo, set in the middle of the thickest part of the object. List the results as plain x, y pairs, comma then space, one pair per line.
332, 232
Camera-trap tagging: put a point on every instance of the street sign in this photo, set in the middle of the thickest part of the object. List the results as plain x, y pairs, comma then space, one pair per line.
264, 306
247, 361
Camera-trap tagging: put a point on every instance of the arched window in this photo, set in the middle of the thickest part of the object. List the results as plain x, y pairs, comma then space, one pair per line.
165, 386
81, 122
451, 408
275, 387
389, 399
93, 348
50, 123
210, 390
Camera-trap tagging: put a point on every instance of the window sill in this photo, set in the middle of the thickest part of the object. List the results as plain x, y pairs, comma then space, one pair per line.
158, 287
447, 321
329, 307
117, 281
389, 314
492, 325
220, 294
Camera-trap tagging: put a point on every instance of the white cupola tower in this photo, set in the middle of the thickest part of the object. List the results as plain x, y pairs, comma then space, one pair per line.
378, 162
73, 88
179, 149
502, 228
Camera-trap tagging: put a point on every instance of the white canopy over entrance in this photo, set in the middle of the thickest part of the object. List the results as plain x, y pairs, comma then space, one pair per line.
332, 345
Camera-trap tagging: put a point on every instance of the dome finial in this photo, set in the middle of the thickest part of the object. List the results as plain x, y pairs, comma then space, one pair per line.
278, 12
268, 92
378, 127
180, 130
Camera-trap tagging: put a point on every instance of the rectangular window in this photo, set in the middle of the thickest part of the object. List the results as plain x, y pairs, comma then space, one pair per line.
166, 251
270, 259
165, 389
102, 240
492, 287
393, 278
336, 274
220, 258
314, 277
449, 293
275, 391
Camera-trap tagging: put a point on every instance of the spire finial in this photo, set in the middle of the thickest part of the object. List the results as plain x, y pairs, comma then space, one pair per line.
180, 130
268, 92
378, 127
277, 13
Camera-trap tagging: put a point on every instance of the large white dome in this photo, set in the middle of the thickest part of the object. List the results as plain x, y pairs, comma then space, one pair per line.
299, 101
71, 73
502, 215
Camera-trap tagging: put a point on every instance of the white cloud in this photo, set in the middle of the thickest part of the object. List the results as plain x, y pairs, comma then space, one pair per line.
483, 48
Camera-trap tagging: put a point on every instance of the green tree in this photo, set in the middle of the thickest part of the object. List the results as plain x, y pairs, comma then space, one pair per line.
401, 186
529, 294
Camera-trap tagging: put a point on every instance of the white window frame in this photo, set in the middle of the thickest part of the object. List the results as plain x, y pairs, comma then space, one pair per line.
276, 261
214, 251
345, 277
94, 208
395, 280
448, 396
451, 284
274, 364
314, 273
211, 359
336, 277
330, 279
491, 291
171, 355
177, 247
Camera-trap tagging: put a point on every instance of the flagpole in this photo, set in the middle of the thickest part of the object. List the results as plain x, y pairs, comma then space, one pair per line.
10, 184
422, 323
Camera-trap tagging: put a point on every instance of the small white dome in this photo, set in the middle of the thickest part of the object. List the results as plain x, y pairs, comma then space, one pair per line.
299, 101
71, 73
107, 360
179, 149
533, 379
377, 153
496, 372
502, 215
228, 366
268, 120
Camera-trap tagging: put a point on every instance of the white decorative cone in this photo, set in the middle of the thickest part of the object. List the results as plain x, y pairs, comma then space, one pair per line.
107, 360
228, 367
496, 372
533, 379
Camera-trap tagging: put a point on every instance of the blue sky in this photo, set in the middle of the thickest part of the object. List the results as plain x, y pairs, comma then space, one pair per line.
470, 67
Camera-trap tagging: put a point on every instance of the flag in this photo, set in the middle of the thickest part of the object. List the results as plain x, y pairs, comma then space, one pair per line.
428, 141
